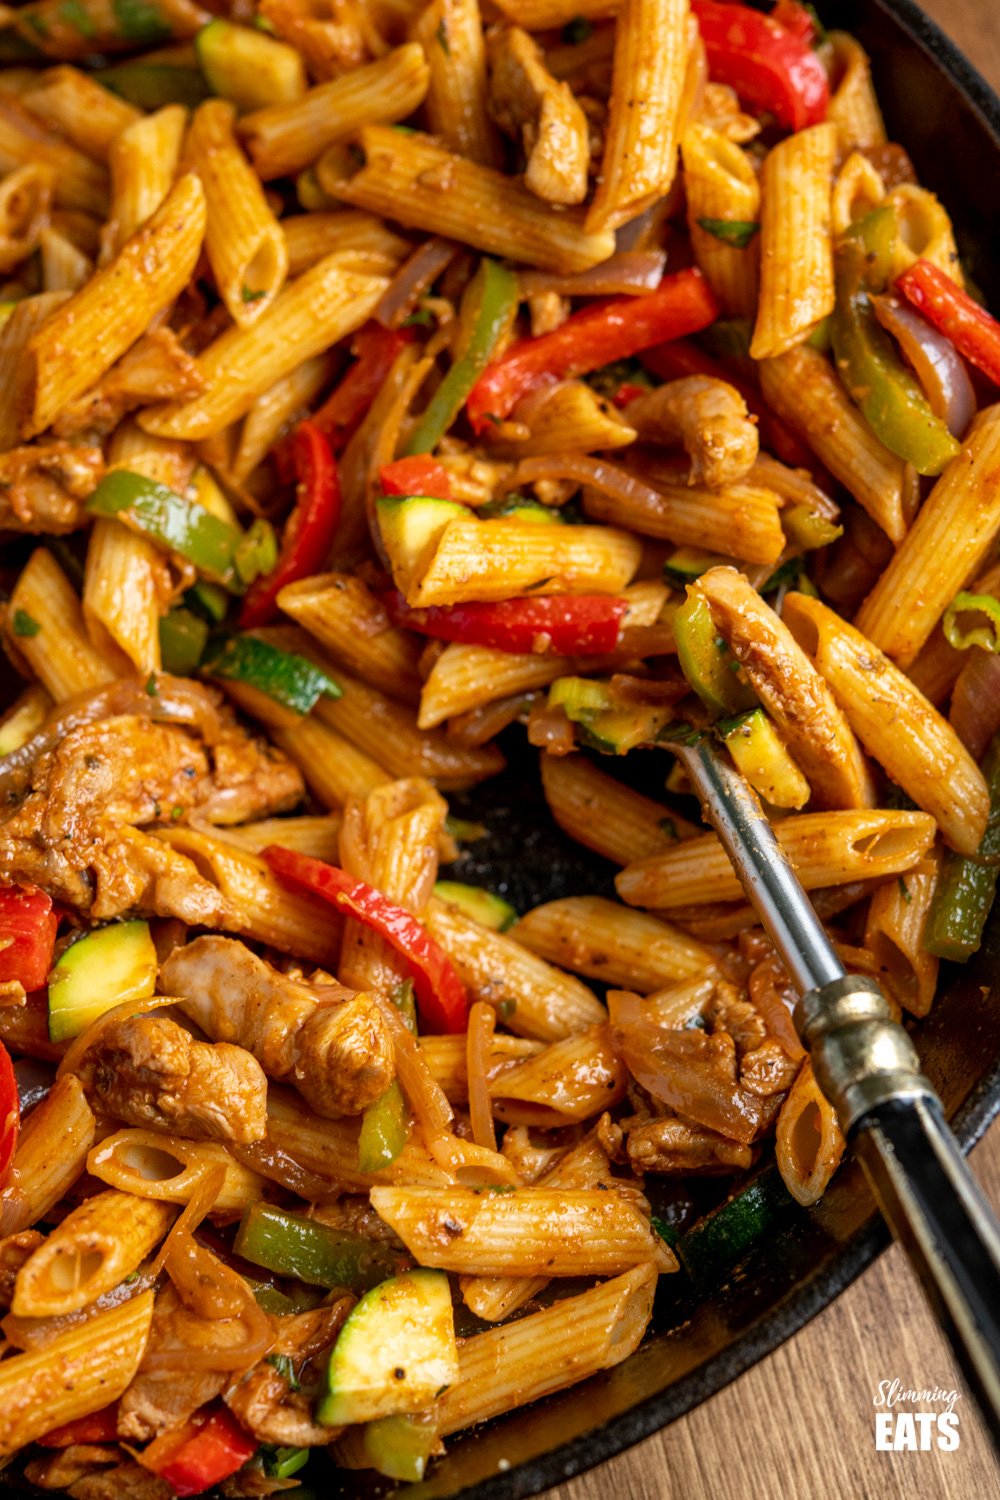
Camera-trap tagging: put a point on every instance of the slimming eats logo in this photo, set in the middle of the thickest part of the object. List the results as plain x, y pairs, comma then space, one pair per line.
900, 1427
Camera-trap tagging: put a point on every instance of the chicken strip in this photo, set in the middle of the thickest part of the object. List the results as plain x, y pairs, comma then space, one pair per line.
277, 1409
164, 1397
529, 104
709, 417
330, 1042
147, 1070
43, 487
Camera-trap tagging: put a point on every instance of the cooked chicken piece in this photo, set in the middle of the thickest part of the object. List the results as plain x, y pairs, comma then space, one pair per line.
121, 757
357, 1216
128, 1481
157, 368
529, 104
709, 417
43, 487
333, 1044
147, 1070
768, 1069
276, 1408
727, 1011
672, 1145
162, 1397
57, 1471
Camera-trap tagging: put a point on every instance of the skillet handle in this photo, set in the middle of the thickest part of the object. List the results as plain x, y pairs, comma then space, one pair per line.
936, 1210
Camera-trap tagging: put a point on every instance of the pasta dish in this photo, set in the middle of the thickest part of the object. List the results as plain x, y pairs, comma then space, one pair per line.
391, 390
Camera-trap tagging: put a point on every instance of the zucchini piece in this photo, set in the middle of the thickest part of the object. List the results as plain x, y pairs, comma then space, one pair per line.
580, 697
399, 1447
711, 1247
395, 1353
758, 752
248, 67
606, 724
292, 680
706, 660
411, 526
522, 508
483, 906
101, 970
150, 85
688, 563
183, 637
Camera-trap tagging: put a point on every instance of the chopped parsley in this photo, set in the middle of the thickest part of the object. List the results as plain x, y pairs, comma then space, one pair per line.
151, 687
737, 232
24, 624
76, 15
904, 891
442, 38
576, 31
669, 827
249, 295
285, 1368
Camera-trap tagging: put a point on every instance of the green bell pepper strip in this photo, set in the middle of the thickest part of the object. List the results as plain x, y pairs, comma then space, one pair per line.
183, 526
986, 635
498, 293
183, 638
151, 85
293, 1245
967, 884
705, 659
890, 398
399, 1447
384, 1129
282, 1463
809, 528
207, 600
291, 680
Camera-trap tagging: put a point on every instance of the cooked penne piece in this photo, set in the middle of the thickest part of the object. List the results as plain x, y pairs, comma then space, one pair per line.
292, 921
89, 1253
125, 585
318, 836
602, 814
334, 769
943, 548
345, 617
465, 677
569, 1081
420, 184
721, 187
568, 414
15, 336
545, 15
559, 1232
328, 1149
445, 1057
59, 651
51, 1154
857, 190
600, 939
895, 722
75, 104
647, 88
533, 107
76, 1373
793, 692
803, 389
144, 160
25, 203
894, 934
274, 411
809, 1143
484, 560
77, 181
451, 34
243, 240
741, 520
925, 232
169, 462
531, 997
796, 250
546, 1351
167, 1169
323, 305
64, 267
824, 849
27, 713
81, 340
284, 138
853, 105
95, 26
312, 237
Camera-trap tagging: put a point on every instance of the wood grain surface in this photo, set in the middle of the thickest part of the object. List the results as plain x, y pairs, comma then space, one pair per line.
801, 1425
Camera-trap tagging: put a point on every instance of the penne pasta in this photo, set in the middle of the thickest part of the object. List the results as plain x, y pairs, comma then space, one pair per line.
274, 412
168, 1169
894, 934
465, 677
312, 237
601, 813
809, 1143
15, 336
328, 1149
853, 105
451, 34
64, 267
545, 15
143, 159
420, 184
90, 116
51, 1154
347, 619
59, 652
824, 849
25, 203
125, 582
595, 937
721, 187
88, 1253
78, 182
796, 251
243, 240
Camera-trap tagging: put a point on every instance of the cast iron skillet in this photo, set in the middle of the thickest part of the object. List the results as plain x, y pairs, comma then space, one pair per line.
949, 121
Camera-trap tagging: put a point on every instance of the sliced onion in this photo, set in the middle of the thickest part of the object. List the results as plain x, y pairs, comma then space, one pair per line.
626, 273
582, 468
550, 730
413, 278
938, 365
34, 1080
975, 701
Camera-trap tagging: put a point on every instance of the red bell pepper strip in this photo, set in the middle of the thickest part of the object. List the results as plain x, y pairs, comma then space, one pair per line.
681, 358
770, 67
598, 335
970, 327
444, 1005
310, 529
415, 476
375, 350
10, 1113
567, 624
27, 935
795, 18
201, 1454
99, 1427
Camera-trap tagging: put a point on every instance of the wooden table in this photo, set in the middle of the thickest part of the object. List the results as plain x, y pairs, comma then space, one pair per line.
801, 1424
